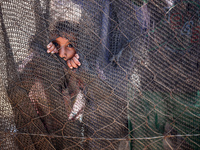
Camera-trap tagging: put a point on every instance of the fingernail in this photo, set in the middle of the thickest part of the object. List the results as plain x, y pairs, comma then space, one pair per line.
79, 64
49, 45
52, 52
71, 67
48, 51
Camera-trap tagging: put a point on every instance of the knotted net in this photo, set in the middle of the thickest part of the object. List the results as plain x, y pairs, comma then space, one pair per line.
137, 87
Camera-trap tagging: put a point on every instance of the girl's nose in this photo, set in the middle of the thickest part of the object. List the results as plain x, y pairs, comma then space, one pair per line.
62, 53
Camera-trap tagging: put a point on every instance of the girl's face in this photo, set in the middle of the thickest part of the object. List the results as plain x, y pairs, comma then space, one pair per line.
65, 49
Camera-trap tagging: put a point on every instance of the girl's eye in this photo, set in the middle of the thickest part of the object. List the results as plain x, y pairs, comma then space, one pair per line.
70, 45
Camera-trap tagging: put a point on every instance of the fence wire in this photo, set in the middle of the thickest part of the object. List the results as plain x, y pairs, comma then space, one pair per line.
137, 87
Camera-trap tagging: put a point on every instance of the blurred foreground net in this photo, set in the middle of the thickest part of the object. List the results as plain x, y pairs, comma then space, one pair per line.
137, 88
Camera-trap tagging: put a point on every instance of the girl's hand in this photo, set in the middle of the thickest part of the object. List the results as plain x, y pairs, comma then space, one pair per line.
51, 48
73, 62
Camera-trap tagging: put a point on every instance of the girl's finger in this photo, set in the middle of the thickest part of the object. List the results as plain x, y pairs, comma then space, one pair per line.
55, 50
69, 64
73, 63
49, 45
49, 50
77, 56
76, 61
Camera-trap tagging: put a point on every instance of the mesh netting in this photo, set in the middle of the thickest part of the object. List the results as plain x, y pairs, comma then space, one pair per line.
137, 87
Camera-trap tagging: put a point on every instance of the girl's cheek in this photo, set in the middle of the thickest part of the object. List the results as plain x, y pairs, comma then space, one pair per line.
71, 53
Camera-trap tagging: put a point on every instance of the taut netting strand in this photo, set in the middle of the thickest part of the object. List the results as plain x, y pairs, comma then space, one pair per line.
137, 87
